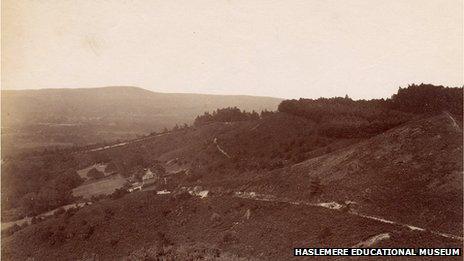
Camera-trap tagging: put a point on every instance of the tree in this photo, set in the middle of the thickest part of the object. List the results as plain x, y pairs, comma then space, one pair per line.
265, 113
95, 174
427, 98
229, 114
120, 192
68, 180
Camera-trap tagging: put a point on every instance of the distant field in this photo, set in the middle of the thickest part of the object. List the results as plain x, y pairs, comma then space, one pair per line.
103, 186
67, 117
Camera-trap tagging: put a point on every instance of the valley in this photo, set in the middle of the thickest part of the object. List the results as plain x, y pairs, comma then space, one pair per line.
65, 118
237, 185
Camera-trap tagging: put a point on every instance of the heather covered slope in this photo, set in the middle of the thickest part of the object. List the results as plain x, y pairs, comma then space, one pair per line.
146, 226
268, 143
411, 174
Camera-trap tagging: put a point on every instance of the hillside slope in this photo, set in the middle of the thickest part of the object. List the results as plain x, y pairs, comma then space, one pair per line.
326, 172
146, 226
411, 174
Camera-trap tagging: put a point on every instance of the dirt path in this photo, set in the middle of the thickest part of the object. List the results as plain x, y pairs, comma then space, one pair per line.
123, 143
42, 215
337, 206
454, 123
108, 147
255, 127
372, 240
220, 149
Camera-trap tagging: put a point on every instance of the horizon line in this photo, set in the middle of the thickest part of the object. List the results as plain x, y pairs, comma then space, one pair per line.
214, 94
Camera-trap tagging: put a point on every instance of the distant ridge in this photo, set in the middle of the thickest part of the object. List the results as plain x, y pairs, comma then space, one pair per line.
131, 88
105, 114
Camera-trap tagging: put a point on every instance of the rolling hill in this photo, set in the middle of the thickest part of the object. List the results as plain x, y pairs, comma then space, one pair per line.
410, 174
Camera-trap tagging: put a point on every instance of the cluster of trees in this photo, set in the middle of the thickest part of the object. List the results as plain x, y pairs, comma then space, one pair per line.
35, 186
326, 109
346, 118
127, 161
427, 98
229, 114
95, 174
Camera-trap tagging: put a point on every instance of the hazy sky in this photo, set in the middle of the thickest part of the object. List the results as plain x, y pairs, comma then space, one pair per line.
260, 47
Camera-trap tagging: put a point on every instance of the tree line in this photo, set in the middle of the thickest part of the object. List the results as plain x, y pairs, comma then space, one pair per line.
35, 185
348, 118
229, 114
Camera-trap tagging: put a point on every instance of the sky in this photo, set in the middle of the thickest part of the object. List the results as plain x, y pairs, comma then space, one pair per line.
290, 49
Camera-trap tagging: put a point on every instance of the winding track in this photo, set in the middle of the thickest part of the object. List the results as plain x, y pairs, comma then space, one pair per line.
337, 206
123, 143
220, 149
453, 121
372, 240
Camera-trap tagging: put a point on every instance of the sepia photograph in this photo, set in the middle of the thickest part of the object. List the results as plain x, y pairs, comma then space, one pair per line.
231, 130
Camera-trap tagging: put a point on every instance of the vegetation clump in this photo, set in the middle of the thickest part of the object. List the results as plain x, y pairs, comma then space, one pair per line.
230, 114
95, 174
347, 118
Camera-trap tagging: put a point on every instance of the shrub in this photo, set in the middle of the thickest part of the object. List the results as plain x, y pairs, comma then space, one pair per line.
119, 193
95, 174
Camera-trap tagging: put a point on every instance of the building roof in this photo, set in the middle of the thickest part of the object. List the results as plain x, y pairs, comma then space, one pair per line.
148, 175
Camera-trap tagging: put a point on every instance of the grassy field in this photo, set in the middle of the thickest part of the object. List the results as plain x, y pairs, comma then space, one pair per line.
104, 186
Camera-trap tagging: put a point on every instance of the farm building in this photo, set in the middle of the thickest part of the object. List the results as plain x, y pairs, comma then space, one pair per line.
135, 186
149, 178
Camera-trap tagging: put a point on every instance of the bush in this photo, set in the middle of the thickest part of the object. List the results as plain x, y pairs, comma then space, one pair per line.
95, 174
119, 193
